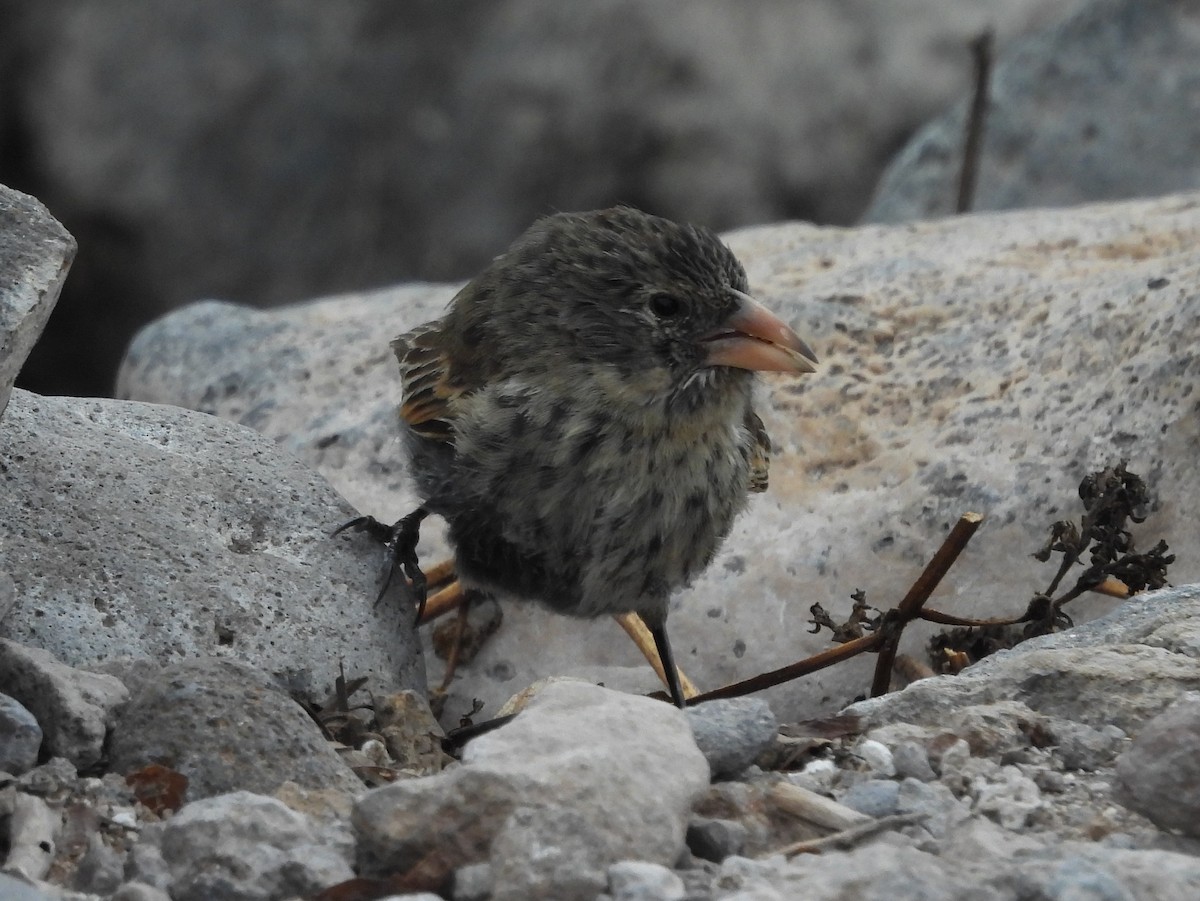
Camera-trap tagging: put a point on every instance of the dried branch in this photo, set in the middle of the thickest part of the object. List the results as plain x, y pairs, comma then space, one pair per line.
968, 176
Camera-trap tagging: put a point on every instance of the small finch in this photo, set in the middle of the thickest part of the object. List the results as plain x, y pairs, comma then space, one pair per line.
582, 415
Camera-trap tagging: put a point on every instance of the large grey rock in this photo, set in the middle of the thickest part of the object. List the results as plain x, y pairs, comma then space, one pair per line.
1104, 106
1120, 670
226, 728
35, 254
149, 531
982, 363
282, 149
1063, 872
583, 778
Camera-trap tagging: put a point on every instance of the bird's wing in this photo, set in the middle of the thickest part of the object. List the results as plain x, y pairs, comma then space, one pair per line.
760, 452
428, 383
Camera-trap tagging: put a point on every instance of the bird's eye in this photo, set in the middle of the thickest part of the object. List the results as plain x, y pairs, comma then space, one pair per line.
665, 305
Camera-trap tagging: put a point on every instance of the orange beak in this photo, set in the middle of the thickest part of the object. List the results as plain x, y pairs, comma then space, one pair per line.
755, 338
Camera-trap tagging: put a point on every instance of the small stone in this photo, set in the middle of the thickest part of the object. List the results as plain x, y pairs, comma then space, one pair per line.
125, 818
20, 737
1051, 782
874, 797
912, 761
715, 839
952, 758
472, 882
877, 756
1011, 801
140, 891
640, 880
1082, 747
934, 803
101, 870
732, 733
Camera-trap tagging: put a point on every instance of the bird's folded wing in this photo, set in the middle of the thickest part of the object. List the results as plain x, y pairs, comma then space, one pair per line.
428, 386
760, 453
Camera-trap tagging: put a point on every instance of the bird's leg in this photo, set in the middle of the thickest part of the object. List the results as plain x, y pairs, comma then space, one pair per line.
456, 645
635, 627
658, 630
400, 539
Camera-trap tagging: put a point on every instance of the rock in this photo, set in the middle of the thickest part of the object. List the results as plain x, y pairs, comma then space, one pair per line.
912, 761
984, 363
250, 847
1160, 774
73, 707
1063, 872
134, 530
410, 731
583, 777
8, 594
1099, 107
1086, 748
20, 737
732, 733
1100, 674
469, 120
139, 891
53, 780
13, 889
35, 254
101, 870
1012, 800
1076, 870
638, 880
877, 757
472, 882
715, 839
225, 727
939, 812
870, 872
33, 830
874, 797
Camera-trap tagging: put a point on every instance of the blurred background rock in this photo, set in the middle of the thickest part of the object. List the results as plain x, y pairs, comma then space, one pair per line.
284, 149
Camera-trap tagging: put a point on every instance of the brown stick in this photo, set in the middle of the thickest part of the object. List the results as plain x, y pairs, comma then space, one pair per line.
921, 589
981, 50
850, 836
949, 619
833, 655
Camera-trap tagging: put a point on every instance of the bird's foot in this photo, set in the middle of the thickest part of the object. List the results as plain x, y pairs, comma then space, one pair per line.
400, 539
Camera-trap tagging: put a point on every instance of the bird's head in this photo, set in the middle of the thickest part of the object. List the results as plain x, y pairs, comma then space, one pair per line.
659, 309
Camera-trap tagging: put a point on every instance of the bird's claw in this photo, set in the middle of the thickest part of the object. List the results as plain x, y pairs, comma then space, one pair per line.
400, 539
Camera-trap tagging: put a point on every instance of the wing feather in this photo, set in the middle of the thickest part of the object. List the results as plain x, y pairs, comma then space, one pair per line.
428, 386
760, 453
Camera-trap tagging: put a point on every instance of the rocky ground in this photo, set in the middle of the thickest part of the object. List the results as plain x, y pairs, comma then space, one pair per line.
168, 594
201, 698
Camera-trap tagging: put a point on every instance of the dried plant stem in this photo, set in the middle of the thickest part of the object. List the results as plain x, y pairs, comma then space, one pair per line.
829, 657
968, 176
910, 607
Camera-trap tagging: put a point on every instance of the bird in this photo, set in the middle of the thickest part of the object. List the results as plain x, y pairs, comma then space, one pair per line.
582, 416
